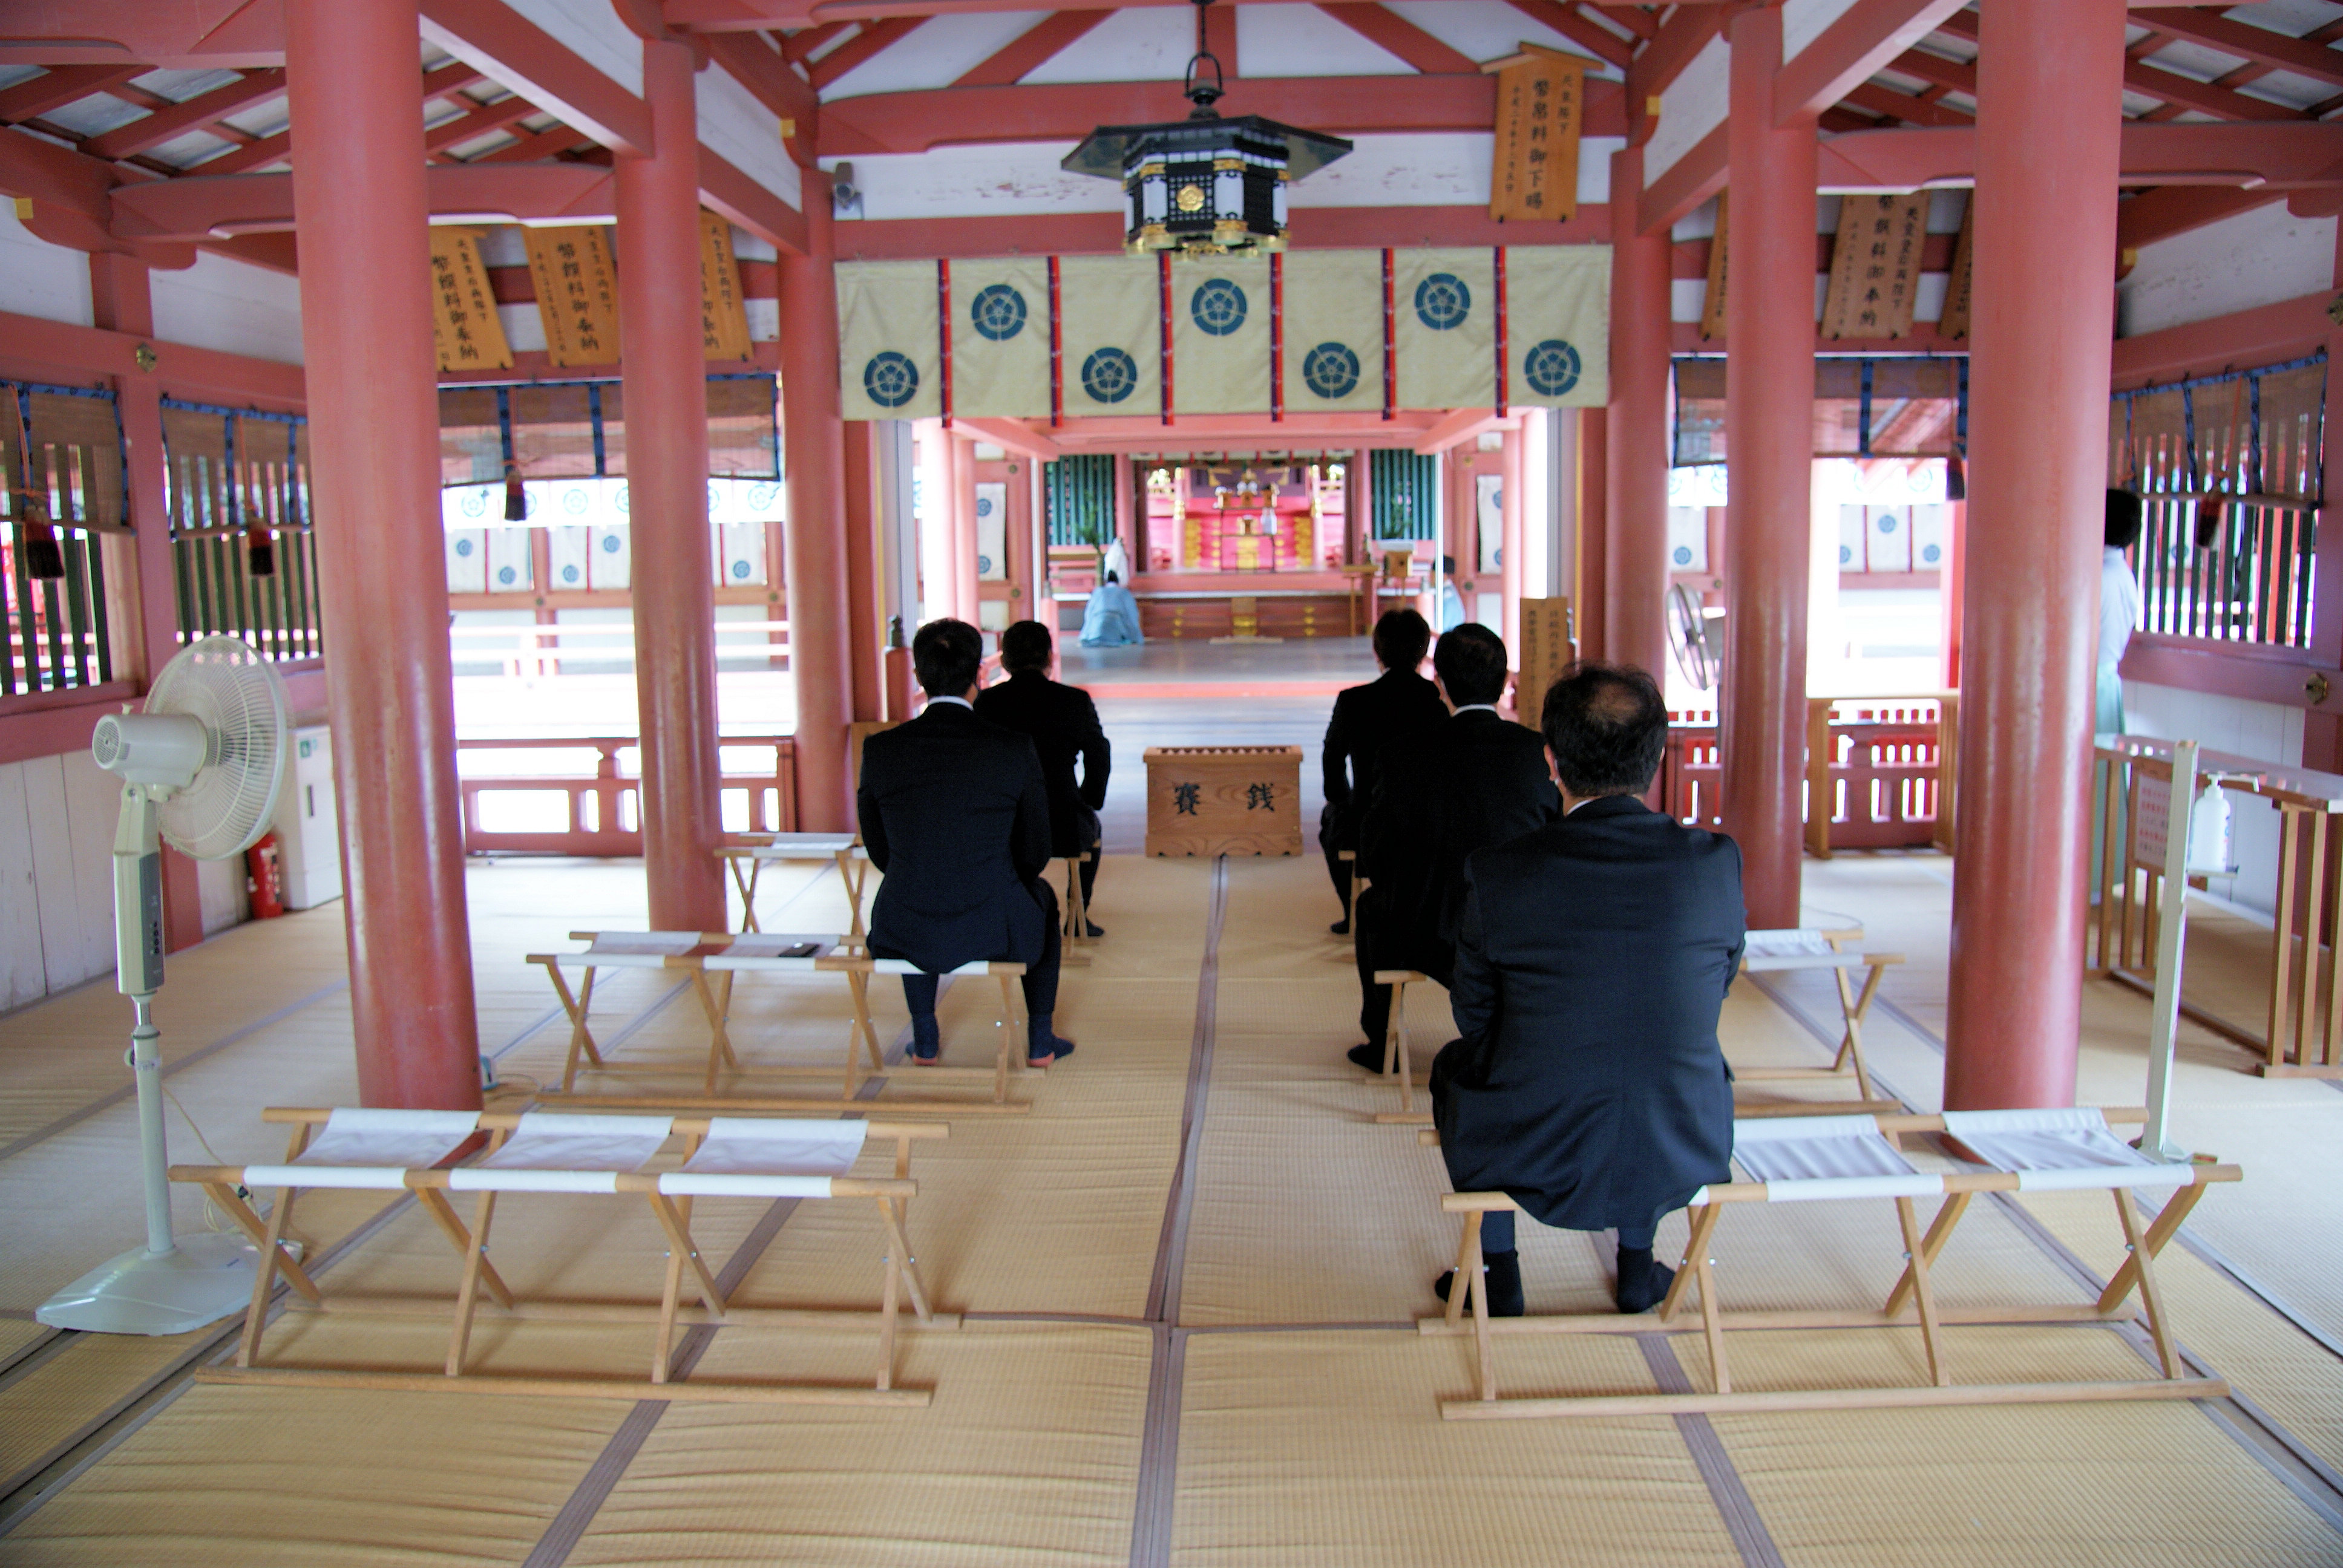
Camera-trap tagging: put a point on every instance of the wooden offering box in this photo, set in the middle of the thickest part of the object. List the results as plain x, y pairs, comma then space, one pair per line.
1225, 799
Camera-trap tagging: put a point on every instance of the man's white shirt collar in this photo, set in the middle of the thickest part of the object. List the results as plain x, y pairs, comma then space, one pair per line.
962, 701
1477, 708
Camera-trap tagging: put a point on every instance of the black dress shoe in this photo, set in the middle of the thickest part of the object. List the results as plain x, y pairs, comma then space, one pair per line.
1643, 1280
1369, 1056
1341, 928
1501, 1274
1095, 931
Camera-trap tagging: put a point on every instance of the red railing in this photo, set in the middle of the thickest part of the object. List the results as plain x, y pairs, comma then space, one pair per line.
1880, 763
587, 804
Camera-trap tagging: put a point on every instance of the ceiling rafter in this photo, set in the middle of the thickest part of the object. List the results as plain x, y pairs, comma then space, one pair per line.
2165, 87
1010, 63
1634, 18
61, 85
796, 47
874, 38
193, 114
267, 150
533, 147
2305, 56
476, 123
1394, 34
1683, 36
1567, 21
1912, 109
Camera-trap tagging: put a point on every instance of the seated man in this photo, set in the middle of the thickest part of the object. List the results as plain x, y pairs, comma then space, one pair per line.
1063, 724
956, 817
1110, 620
1592, 962
1366, 719
1473, 779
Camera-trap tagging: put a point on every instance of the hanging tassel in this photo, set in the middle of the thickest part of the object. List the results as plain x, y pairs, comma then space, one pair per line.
36, 542
260, 550
516, 498
1957, 480
2208, 521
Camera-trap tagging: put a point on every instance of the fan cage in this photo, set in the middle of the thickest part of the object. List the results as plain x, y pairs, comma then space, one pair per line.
240, 700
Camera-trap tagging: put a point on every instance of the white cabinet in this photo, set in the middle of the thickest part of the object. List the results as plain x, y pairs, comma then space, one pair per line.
308, 827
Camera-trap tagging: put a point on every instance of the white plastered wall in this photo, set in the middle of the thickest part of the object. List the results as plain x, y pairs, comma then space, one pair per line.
2253, 258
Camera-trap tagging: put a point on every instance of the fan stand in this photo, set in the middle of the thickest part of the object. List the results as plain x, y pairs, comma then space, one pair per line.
164, 1287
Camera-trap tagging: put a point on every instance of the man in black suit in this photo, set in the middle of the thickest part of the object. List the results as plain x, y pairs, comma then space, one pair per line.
1593, 958
1475, 779
1063, 724
956, 817
1366, 719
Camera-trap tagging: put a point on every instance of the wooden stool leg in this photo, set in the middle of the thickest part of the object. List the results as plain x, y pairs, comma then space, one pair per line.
1475, 1286
1703, 1226
2151, 1294
2167, 1222
1940, 1231
468, 1297
1007, 1033
1406, 1066
247, 1344
1922, 1292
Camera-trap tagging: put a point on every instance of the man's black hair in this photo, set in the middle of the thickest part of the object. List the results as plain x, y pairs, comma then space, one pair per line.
1470, 663
946, 656
2123, 519
1114, 577
1401, 638
1607, 727
1026, 646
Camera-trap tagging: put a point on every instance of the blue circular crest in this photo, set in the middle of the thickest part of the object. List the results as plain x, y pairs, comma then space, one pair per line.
573, 500
505, 576
476, 503
1887, 524
1218, 305
462, 549
1931, 554
760, 495
1844, 555
984, 505
1551, 368
890, 379
609, 544
626, 498
997, 312
1442, 301
569, 574
739, 569
1331, 370
983, 565
1110, 376
1682, 555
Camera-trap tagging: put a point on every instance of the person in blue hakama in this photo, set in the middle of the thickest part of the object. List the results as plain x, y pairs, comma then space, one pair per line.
1112, 620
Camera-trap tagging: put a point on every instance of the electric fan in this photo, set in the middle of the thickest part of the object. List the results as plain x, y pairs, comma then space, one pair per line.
201, 766
1694, 634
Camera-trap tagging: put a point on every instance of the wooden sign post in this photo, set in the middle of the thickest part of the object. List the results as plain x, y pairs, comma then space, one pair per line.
723, 318
576, 294
465, 327
1875, 273
1540, 95
1547, 650
1955, 321
1712, 309
1223, 799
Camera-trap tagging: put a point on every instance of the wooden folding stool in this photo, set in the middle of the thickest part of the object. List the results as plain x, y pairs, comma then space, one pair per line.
1397, 1060
747, 863
1785, 950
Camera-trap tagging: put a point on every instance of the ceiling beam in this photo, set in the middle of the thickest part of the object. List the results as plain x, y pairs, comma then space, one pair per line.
179, 35
2260, 44
914, 122
206, 207
1311, 228
1850, 50
1015, 434
1908, 107
769, 79
267, 150
724, 190
1681, 37
1395, 35
874, 38
1008, 64
801, 44
1605, 45
2206, 97
61, 85
2167, 210
177, 119
533, 147
500, 42
1691, 180
1456, 429
476, 123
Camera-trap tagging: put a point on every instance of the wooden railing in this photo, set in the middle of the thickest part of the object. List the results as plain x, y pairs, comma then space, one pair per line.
598, 648
600, 813
1881, 763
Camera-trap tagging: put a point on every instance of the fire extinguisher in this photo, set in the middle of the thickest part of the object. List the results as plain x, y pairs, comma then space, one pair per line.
267, 882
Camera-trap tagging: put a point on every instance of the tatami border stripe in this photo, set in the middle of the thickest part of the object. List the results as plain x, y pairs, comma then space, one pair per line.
1159, 1447
1734, 1505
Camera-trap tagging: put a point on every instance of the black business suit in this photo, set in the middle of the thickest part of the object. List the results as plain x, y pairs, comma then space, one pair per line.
956, 818
1394, 707
1592, 958
1063, 725
1472, 781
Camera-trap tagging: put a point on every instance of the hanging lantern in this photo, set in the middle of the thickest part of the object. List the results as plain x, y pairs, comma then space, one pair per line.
1204, 185
1956, 479
260, 550
516, 497
36, 540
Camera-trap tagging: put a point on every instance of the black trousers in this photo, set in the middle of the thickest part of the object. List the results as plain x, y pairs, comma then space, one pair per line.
1376, 949
1336, 834
1040, 980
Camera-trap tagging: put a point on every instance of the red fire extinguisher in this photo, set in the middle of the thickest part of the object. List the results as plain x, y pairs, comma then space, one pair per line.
267, 882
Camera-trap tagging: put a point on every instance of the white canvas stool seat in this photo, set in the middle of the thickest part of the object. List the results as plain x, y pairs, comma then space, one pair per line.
748, 858
539, 1152
1815, 1158
1791, 950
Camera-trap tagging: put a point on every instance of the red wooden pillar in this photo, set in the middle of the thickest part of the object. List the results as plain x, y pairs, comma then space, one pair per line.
2049, 109
863, 607
665, 368
1634, 557
2322, 725
820, 585
1588, 472
121, 301
1769, 443
960, 469
1510, 474
374, 435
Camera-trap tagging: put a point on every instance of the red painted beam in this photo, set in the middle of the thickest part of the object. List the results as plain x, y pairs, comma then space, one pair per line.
187, 34
1605, 45
2167, 210
1867, 36
60, 85
2206, 97
2260, 44
1388, 31
81, 352
1691, 180
1312, 228
1013, 435
2267, 335
1908, 107
1030, 50
476, 123
201, 206
501, 42
781, 90
163, 125
915, 121
725, 189
864, 46
536, 146
800, 45
438, 83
